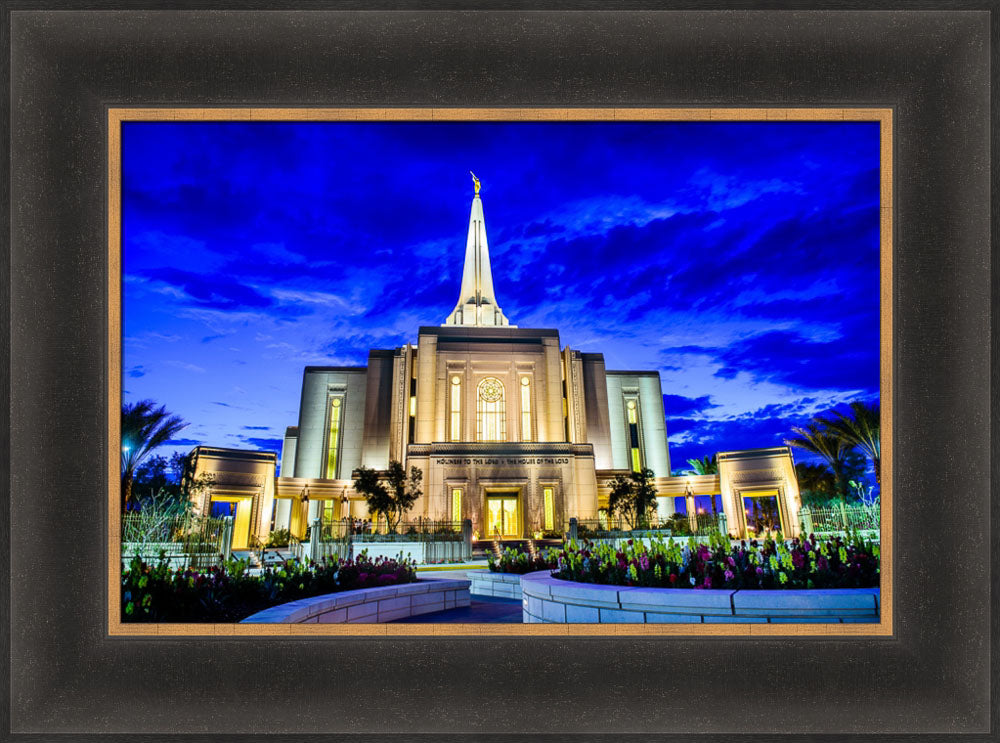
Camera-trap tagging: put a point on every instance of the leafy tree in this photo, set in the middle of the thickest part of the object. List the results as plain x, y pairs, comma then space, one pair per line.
633, 497
144, 428
860, 428
391, 494
704, 466
166, 484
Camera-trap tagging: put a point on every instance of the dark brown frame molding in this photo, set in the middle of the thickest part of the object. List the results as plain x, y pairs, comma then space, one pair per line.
70, 63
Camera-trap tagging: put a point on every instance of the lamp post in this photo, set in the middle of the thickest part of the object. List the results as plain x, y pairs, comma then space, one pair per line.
689, 505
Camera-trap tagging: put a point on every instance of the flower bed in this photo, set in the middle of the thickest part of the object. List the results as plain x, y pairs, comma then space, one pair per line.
547, 599
771, 564
518, 562
158, 593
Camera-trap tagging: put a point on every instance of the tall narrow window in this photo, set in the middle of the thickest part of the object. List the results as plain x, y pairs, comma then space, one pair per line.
333, 445
456, 408
547, 494
413, 409
633, 434
491, 419
456, 504
525, 409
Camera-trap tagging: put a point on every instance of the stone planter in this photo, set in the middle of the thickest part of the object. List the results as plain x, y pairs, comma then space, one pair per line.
486, 583
548, 599
384, 604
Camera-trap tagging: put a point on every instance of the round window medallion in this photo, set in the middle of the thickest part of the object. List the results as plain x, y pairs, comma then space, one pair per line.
336, 402
525, 381
631, 404
490, 390
456, 379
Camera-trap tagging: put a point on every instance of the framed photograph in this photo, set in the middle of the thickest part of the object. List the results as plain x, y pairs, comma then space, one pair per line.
520, 449
106, 145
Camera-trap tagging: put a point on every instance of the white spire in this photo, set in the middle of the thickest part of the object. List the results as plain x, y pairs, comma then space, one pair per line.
477, 306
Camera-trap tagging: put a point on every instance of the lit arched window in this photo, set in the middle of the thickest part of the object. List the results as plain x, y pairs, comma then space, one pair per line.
456, 408
525, 409
491, 420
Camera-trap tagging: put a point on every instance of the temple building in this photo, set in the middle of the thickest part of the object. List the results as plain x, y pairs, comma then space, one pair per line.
510, 428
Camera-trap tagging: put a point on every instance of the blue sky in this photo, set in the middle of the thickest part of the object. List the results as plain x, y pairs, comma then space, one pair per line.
740, 260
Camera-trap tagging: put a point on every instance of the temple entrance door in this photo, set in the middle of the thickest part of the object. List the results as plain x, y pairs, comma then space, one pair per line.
761, 513
502, 516
240, 509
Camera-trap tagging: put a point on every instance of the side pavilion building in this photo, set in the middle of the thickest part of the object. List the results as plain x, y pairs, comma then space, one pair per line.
510, 428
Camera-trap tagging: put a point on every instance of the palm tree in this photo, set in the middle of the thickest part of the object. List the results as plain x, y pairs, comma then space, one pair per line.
815, 438
859, 427
814, 478
144, 427
704, 466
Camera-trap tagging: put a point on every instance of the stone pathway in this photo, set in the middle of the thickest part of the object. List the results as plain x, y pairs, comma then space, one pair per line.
484, 610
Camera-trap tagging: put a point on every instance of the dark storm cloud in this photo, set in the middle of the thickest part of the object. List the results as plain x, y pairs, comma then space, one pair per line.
790, 358
770, 425
263, 444
183, 442
677, 405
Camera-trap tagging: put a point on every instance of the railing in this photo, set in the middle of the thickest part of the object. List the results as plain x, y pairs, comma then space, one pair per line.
839, 519
614, 528
412, 531
702, 524
196, 541
710, 523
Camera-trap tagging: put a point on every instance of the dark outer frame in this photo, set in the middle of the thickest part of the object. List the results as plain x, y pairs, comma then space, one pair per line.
66, 676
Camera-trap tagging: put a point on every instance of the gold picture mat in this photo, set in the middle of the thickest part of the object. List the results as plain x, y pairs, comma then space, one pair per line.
117, 116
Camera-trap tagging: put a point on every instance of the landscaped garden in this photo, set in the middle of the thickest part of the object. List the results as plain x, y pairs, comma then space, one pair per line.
851, 562
158, 593
518, 562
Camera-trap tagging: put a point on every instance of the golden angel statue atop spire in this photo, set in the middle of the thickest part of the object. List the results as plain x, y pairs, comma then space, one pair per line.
475, 182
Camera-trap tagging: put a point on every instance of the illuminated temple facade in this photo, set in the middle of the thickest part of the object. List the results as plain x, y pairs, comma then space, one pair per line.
510, 428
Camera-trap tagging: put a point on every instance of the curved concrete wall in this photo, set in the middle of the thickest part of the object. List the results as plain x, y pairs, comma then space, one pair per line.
486, 583
548, 599
369, 604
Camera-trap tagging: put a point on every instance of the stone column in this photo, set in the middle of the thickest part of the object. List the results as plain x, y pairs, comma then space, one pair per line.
692, 515
314, 539
553, 412
426, 379
467, 539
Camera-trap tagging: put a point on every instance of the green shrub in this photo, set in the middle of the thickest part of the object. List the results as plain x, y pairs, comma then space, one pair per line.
157, 593
279, 538
770, 564
518, 562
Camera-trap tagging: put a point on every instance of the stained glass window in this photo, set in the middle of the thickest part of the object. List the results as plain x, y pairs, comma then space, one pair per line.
491, 420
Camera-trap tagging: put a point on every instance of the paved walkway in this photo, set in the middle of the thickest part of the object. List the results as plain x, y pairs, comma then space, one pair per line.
484, 610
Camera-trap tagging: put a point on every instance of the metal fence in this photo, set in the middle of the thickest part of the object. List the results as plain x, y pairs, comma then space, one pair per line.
839, 519
411, 531
438, 541
195, 541
703, 524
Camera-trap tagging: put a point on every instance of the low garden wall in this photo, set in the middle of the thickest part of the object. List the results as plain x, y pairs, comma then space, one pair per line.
384, 604
420, 552
174, 553
548, 599
487, 583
